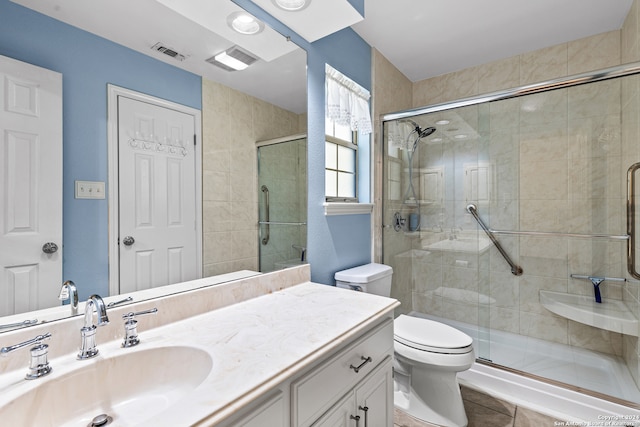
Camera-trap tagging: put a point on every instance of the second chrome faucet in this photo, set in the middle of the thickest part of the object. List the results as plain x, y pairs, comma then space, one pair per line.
88, 332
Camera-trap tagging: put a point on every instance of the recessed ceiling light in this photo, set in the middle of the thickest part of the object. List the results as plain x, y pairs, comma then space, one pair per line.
443, 122
233, 59
291, 5
244, 23
230, 61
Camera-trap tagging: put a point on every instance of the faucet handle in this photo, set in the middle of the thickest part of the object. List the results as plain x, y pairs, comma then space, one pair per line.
39, 364
130, 327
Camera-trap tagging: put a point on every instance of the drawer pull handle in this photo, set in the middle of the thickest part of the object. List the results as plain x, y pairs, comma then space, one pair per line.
355, 417
365, 409
365, 361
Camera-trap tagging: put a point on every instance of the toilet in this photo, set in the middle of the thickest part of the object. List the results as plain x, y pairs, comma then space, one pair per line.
428, 355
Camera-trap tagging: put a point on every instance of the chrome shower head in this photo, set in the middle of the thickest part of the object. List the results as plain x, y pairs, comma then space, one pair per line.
423, 133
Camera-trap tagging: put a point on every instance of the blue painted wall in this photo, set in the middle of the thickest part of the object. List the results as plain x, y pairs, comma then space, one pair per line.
334, 242
88, 63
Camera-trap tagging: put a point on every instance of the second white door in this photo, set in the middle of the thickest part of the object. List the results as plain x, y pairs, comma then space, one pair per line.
157, 195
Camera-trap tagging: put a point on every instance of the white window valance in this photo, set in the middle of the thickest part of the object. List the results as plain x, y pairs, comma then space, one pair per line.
347, 103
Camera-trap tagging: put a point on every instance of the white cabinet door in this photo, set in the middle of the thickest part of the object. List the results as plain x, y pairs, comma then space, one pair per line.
374, 397
369, 404
342, 414
30, 186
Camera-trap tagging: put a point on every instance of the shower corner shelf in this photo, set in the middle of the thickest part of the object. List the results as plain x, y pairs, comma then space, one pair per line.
611, 315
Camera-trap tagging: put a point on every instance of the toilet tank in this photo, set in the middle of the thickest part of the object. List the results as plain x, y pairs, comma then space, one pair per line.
370, 278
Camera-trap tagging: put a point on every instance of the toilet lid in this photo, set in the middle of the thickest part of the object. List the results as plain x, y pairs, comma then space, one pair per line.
429, 335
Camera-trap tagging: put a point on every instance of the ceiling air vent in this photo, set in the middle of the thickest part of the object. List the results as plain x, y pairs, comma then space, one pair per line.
233, 59
168, 51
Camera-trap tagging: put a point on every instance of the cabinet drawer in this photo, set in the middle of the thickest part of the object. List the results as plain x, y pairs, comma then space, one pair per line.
318, 390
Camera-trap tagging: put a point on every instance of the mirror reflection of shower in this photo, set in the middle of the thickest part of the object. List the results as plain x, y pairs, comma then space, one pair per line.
282, 202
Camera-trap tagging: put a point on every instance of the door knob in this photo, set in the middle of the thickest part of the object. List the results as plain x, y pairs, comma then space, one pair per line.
49, 248
128, 241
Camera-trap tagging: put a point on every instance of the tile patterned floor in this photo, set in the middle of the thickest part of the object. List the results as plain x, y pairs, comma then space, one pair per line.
486, 411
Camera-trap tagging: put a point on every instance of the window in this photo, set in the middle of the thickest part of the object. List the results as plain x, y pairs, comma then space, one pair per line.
341, 154
347, 114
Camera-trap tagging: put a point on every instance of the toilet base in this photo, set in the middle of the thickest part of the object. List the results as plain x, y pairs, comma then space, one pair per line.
434, 398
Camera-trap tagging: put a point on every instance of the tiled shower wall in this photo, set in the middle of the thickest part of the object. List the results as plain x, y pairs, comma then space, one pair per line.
232, 122
550, 172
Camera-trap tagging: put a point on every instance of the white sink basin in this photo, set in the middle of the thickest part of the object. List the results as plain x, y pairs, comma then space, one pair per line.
611, 315
130, 388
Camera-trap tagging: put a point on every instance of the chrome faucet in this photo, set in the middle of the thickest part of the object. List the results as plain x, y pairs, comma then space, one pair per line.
39, 364
70, 292
88, 332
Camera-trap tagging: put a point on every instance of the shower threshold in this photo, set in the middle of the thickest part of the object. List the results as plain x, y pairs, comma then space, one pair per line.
577, 369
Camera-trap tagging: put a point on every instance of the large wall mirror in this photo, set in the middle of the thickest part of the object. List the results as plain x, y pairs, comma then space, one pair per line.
164, 49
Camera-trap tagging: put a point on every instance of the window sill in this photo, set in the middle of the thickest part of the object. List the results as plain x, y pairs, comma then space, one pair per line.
337, 208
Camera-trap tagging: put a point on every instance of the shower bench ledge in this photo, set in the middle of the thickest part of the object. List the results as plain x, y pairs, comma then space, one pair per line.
611, 315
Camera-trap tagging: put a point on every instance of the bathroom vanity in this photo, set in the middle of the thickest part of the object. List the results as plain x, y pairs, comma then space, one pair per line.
270, 350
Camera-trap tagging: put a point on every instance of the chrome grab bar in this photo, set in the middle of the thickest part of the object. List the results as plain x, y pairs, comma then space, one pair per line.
554, 234
265, 191
515, 269
631, 216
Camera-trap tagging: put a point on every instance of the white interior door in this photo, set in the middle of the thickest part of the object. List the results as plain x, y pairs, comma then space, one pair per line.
157, 195
30, 186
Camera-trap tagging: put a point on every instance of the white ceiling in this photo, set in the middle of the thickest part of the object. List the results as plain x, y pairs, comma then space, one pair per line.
429, 38
318, 19
421, 38
196, 29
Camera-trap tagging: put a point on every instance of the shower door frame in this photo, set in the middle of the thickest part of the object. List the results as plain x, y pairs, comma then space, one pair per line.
264, 225
545, 86
559, 83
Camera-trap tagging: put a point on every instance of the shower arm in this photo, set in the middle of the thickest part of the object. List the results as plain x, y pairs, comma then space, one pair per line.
516, 270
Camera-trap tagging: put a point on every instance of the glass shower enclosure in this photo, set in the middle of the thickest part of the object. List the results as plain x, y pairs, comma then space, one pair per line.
515, 222
282, 206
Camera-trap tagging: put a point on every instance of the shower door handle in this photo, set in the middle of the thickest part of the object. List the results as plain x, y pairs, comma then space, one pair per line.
631, 220
265, 191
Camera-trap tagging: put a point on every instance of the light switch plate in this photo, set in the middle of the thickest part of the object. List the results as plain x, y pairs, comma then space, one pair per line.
90, 190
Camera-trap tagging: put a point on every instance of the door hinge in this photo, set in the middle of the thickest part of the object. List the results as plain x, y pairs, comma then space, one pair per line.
194, 139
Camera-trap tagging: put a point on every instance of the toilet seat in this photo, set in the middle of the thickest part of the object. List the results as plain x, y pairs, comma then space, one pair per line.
428, 335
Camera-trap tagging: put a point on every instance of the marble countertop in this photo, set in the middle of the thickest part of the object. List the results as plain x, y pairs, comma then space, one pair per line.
254, 346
